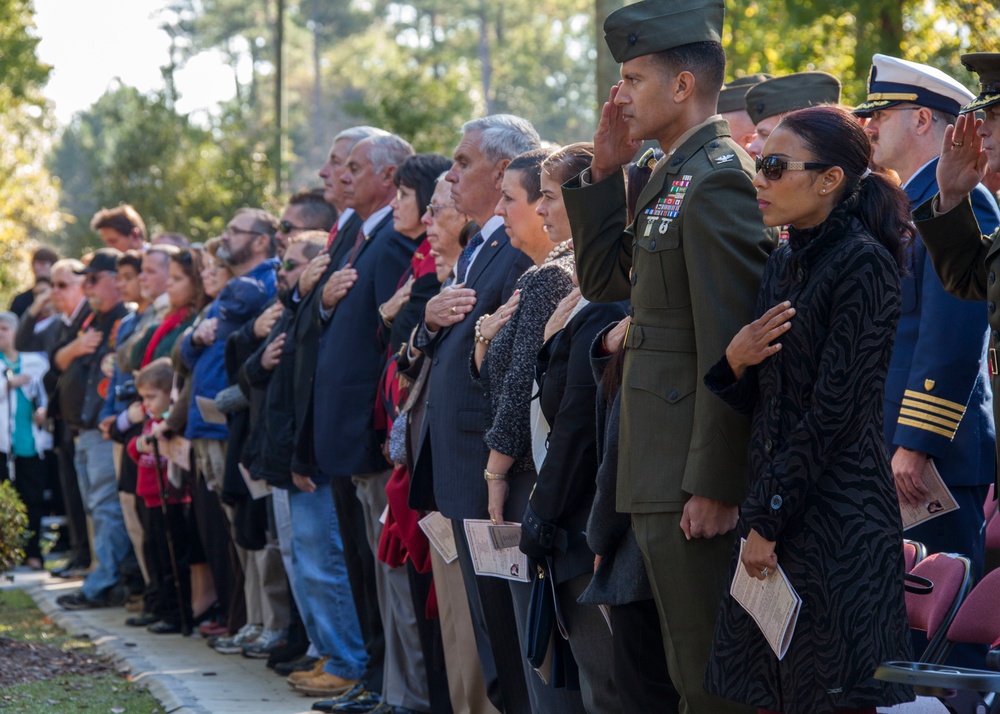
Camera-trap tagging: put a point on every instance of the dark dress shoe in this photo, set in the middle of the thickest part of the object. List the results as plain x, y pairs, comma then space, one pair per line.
143, 620
165, 628
79, 601
356, 700
287, 652
300, 665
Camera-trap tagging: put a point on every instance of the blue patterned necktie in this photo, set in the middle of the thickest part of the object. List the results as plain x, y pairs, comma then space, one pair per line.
466, 257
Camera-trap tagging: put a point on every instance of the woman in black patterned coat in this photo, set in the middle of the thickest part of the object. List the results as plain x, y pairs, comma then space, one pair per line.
811, 370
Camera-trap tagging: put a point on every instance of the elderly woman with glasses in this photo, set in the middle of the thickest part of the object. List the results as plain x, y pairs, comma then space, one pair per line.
811, 370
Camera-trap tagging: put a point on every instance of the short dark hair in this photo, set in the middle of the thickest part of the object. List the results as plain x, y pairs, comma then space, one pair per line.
420, 172
158, 374
569, 161
312, 242
130, 258
319, 213
44, 254
122, 218
834, 137
705, 60
265, 224
530, 165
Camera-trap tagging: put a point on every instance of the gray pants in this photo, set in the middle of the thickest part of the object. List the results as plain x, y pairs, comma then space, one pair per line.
405, 682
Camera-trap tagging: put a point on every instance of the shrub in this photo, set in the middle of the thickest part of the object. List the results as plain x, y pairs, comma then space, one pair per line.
13, 524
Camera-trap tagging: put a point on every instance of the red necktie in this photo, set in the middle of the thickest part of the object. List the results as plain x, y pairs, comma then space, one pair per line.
333, 235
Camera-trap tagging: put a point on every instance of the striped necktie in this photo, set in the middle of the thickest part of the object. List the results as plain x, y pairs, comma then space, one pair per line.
466, 257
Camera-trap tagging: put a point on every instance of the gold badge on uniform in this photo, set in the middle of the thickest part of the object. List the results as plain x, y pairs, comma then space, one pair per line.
929, 384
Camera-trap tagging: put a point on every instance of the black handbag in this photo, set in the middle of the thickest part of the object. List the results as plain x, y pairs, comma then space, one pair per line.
547, 639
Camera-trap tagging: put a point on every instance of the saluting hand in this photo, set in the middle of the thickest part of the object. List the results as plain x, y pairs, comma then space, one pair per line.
753, 344
963, 162
613, 144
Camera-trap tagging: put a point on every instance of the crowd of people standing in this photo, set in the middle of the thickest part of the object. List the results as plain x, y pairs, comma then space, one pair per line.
735, 352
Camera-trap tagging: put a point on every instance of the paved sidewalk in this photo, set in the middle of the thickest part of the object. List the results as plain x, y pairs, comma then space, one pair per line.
181, 672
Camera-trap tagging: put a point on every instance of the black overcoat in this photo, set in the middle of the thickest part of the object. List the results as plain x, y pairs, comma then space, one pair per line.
821, 484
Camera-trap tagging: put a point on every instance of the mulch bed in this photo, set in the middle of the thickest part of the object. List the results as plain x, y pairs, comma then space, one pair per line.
22, 662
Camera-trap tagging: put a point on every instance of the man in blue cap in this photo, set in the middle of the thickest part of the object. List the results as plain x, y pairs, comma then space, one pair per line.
938, 404
691, 263
938, 398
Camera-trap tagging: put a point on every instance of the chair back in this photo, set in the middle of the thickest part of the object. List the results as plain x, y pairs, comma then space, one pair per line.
978, 620
913, 552
934, 612
993, 534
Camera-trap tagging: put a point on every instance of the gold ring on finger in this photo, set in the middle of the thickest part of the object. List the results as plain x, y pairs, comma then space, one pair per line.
958, 143
453, 310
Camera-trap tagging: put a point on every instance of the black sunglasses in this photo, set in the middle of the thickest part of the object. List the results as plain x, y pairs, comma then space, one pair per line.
288, 227
772, 167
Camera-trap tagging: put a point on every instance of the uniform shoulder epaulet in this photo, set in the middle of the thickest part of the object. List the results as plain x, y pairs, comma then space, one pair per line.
722, 154
647, 160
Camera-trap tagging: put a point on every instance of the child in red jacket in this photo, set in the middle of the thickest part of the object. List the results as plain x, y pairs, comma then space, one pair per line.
153, 384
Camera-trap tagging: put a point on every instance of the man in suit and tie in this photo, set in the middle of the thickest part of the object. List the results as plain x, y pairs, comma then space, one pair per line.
450, 452
303, 344
346, 445
938, 398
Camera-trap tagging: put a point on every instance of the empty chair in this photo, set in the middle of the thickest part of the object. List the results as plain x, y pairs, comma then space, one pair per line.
977, 622
934, 612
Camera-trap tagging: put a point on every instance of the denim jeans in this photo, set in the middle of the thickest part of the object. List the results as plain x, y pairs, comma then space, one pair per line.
321, 583
95, 472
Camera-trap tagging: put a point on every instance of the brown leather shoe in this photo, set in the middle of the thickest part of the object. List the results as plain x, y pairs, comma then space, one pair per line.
295, 678
325, 685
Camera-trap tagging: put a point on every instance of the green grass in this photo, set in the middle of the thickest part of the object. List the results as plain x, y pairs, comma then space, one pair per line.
97, 693
21, 620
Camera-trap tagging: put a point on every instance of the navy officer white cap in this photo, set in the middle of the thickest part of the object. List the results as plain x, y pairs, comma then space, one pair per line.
893, 81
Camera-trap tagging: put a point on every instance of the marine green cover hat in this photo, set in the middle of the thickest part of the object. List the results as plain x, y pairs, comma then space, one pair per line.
791, 92
987, 66
656, 25
732, 98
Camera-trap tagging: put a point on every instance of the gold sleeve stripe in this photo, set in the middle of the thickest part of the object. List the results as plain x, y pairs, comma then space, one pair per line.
928, 409
955, 406
930, 418
927, 427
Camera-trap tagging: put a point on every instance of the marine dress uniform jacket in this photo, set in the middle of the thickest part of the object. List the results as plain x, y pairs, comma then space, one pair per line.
967, 263
938, 396
691, 264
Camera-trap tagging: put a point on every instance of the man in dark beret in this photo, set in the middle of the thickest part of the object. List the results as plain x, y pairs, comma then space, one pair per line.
691, 263
773, 98
733, 107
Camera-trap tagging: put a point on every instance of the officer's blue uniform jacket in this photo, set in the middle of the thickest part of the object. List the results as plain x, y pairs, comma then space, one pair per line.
938, 395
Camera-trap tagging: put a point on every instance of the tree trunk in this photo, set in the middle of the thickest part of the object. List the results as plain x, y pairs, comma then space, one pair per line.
608, 72
485, 59
317, 91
